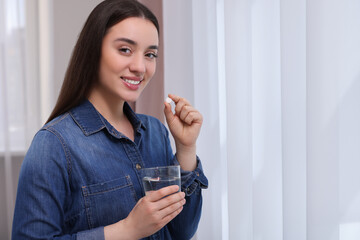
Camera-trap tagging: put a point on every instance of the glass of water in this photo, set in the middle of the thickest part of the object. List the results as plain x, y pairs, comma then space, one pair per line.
158, 177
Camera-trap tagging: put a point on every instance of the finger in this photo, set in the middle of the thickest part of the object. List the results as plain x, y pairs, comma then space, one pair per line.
179, 102
180, 105
154, 196
171, 216
172, 208
167, 218
169, 116
185, 111
170, 200
193, 117
174, 97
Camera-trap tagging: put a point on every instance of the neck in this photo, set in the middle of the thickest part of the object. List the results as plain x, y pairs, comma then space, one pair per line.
112, 110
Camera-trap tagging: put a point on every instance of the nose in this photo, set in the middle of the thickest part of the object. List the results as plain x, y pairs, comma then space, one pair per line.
138, 63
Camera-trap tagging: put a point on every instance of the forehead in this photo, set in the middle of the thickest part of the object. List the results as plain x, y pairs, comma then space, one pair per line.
138, 29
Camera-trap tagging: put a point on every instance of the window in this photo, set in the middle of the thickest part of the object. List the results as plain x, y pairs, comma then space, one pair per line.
17, 102
19, 96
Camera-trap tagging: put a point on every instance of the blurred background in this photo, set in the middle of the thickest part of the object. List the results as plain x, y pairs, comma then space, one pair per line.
278, 84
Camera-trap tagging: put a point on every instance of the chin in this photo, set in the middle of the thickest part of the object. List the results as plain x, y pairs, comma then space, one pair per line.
131, 98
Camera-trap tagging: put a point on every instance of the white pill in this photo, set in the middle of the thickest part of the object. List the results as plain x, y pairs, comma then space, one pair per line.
168, 100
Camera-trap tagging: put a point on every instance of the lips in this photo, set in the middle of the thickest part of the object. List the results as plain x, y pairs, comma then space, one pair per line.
132, 82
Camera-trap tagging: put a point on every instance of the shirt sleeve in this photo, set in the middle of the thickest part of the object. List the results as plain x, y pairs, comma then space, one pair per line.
184, 225
93, 234
192, 181
44, 193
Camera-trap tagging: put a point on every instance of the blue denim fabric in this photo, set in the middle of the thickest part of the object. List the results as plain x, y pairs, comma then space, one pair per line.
80, 174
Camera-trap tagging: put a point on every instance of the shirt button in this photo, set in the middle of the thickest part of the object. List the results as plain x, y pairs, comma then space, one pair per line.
138, 166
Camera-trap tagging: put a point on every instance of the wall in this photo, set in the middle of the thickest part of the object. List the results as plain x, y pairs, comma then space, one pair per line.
68, 19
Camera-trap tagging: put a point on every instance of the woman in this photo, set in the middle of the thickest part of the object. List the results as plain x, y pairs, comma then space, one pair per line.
81, 176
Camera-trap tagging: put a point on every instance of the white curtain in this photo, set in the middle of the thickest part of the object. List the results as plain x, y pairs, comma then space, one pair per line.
278, 83
19, 101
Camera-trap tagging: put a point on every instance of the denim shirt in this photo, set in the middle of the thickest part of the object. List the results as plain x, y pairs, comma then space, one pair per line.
80, 174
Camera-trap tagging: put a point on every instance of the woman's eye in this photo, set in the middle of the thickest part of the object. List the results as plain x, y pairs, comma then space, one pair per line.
151, 55
125, 50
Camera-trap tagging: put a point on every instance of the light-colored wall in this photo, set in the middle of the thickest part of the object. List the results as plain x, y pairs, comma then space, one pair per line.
178, 48
68, 18
59, 25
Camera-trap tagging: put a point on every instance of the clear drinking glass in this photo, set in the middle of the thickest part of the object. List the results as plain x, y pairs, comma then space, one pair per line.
159, 177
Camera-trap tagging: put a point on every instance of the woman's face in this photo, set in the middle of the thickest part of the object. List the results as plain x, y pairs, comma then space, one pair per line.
128, 59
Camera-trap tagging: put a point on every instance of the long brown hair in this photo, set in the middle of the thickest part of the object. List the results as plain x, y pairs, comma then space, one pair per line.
83, 69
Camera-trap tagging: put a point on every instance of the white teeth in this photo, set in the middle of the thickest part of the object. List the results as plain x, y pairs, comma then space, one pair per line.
131, 81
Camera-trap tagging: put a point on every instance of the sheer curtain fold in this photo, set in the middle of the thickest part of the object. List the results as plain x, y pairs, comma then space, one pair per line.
18, 98
281, 151
12, 95
293, 111
239, 119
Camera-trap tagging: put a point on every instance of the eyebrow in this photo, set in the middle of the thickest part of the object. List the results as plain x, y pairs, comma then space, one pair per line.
132, 42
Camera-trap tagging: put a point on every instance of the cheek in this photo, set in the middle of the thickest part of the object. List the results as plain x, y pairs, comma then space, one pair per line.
151, 67
107, 72
110, 60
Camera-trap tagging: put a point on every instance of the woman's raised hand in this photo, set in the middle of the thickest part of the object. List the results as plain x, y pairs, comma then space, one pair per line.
185, 127
185, 124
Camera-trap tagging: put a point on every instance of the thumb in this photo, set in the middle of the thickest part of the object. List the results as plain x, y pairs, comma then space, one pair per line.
169, 116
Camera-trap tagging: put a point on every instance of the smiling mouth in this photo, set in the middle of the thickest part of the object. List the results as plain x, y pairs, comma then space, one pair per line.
133, 82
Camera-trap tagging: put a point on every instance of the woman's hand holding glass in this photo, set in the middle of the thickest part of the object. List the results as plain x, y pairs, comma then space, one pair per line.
150, 214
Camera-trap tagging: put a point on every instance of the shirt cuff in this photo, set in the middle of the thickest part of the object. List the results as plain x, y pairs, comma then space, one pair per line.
93, 234
193, 180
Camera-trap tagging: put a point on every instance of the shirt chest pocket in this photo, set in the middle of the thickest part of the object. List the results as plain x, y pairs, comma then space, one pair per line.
108, 202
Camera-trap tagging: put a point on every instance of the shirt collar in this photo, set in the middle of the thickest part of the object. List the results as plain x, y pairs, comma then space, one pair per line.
91, 121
